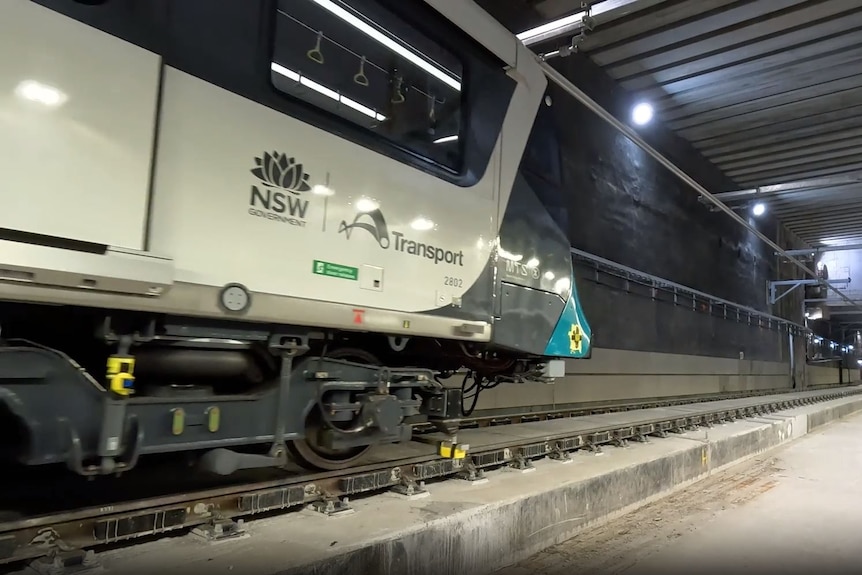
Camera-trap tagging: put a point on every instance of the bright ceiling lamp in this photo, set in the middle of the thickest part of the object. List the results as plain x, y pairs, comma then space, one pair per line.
759, 209
385, 40
642, 114
329, 93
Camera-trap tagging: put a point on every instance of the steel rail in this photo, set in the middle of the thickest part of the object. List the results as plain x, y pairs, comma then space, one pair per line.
515, 416
213, 511
570, 88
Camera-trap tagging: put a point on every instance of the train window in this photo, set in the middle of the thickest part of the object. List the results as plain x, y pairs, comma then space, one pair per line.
360, 63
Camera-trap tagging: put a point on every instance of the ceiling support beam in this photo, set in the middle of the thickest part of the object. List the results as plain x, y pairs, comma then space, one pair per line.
814, 251
788, 187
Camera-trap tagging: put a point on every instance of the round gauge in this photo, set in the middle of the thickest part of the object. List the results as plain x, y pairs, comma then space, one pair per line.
235, 298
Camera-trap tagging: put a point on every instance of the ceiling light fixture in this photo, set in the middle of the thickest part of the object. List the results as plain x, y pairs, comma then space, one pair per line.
328, 92
385, 40
551, 27
642, 114
759, 209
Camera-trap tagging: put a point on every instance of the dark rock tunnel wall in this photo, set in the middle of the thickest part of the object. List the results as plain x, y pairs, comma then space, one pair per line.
626, 207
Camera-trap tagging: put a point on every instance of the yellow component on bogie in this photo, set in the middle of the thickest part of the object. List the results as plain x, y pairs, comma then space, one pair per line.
120, 374
178, 424
213, 419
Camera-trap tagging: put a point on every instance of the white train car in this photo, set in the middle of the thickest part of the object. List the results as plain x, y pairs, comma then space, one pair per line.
279, 224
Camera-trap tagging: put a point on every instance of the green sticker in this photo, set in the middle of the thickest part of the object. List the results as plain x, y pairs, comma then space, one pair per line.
335, 270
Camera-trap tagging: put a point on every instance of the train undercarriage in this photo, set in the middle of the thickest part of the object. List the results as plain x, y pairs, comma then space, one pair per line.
236, 396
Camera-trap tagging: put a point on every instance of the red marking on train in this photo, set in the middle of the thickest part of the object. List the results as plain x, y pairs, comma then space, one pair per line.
358, 315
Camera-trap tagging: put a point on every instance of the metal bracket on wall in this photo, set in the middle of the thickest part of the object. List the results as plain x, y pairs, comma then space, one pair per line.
775, 296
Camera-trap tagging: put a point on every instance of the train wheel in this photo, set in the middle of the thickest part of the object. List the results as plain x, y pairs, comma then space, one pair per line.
308, 452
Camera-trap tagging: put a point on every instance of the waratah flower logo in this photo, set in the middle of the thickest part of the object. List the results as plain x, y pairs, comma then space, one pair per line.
280, 171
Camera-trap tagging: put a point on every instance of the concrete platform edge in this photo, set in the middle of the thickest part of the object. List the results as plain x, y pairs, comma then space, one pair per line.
502, 531
482, 529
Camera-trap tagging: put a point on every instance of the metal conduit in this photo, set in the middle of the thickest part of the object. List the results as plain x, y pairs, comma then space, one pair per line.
561, 81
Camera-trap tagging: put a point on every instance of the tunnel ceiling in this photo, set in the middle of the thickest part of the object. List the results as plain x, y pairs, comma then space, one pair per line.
770, 91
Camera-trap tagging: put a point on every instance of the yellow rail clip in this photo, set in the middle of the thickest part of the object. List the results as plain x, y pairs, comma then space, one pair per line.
451, 450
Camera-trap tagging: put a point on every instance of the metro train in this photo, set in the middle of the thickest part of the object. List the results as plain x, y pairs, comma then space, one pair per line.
262, 231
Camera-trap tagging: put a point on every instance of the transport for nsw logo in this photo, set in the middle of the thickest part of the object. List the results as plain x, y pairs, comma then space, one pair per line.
283, 183
372, 222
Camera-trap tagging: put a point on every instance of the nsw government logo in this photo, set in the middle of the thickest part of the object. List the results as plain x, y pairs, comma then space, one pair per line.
373, 222
279, 198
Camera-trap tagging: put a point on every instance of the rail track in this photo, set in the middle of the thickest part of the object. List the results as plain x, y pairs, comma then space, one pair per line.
54, 538
508, 416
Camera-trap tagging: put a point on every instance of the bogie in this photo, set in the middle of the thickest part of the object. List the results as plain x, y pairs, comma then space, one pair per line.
322, 397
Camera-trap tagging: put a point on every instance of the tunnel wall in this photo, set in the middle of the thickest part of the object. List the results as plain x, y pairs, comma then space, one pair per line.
618, 375
622, 205
828, 375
